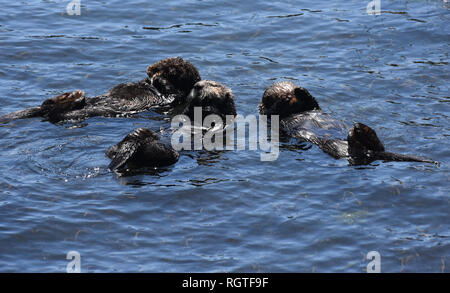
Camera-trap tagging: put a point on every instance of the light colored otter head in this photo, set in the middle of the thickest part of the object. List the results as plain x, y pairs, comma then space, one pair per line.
173, 76
285, 98
212, 97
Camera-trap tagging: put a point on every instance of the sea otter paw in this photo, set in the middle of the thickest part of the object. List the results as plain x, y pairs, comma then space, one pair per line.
361, 137
67, 101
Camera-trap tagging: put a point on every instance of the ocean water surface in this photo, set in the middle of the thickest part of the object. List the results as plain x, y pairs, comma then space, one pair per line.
227, 211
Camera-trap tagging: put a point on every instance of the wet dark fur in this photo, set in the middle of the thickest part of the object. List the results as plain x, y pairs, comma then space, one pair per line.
302, 118
142, 148
213, 98
139, 149
169, 81
173, 76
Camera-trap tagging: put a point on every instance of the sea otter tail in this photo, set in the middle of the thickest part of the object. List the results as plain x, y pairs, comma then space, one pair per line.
388, 156
51, 109
364, 147
26, 113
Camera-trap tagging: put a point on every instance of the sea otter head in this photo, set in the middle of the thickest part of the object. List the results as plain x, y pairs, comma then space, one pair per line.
212, 97
173, 77
285, 98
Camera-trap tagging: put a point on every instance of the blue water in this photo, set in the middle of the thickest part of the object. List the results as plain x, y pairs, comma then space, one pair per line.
227, 211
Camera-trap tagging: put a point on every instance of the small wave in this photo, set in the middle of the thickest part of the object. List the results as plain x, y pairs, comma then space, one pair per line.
285, 16
156, 28
65, 36
440, 63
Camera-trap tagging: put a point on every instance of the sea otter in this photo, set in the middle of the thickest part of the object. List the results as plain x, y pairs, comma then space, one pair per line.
169, 81
302, 118
142, 147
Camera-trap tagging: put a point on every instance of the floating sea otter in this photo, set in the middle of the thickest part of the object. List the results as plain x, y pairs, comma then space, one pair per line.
169, 81
142, 147
302, 118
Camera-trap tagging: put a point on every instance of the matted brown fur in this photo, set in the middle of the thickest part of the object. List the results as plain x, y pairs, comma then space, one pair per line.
179, 72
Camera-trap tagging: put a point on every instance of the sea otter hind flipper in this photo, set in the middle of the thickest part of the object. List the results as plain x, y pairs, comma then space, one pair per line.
388, 157
364, 147
363, 138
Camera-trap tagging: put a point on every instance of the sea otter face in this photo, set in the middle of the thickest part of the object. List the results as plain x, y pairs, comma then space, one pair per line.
173, 76
212, 97
285, 98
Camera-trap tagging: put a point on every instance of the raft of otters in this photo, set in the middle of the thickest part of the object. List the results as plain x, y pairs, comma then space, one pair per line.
176, 83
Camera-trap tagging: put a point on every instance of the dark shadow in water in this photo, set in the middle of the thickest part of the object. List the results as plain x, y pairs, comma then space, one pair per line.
395, 12
139, 177
205, 181
206, 158
65, 36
